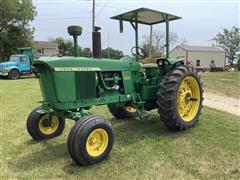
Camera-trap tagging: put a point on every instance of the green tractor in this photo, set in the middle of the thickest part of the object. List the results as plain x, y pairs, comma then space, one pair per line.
70, 86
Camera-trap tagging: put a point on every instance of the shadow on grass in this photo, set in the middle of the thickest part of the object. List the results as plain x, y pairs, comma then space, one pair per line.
126, 132
49, 153
30, 142
5, 78
73, 168
133, 130
28, 77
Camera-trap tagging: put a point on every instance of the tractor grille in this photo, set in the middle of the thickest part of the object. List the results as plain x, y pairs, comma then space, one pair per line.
85, 85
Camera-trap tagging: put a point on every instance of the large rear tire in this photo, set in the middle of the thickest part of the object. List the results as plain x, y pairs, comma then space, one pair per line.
90, 140
122, 111
180, 98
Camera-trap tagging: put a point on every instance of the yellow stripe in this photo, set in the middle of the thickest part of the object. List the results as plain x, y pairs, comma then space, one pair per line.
77, 69
127, 78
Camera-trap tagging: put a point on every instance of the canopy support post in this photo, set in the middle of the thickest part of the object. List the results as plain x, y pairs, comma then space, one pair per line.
135, 27
167, 36
150, 43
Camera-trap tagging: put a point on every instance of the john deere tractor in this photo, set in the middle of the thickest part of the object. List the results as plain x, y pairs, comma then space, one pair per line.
70, 86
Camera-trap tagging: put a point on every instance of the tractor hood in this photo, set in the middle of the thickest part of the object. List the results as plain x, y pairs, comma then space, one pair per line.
89, 64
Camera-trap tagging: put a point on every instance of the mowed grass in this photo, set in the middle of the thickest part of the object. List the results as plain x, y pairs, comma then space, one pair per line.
224, 82
143, 149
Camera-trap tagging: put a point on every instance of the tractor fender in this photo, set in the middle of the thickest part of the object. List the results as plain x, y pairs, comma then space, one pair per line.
169, 62
175, 62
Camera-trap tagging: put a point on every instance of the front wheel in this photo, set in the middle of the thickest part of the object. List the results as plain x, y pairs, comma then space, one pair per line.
180, 98
90, 140
14, 74
40, 126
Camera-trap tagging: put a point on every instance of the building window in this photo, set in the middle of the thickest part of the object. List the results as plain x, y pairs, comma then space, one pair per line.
198, 63
40, 51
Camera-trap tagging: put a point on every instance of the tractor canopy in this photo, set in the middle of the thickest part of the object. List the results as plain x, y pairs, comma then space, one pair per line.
147, 17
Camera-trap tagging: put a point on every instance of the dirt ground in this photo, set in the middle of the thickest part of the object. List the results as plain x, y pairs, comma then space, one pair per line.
221, 102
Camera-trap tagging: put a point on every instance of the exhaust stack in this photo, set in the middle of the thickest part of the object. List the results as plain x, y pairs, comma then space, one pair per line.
75, 31
96, 43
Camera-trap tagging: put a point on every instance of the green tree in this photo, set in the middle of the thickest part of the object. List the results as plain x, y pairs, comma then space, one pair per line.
112, 53
86, 52
15, 31
158, 42
229, 41
65, 47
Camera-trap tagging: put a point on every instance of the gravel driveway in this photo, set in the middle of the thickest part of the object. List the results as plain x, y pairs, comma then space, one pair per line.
222, 102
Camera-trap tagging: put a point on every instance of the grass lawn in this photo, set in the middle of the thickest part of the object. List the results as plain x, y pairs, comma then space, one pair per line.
143, 149
224, 82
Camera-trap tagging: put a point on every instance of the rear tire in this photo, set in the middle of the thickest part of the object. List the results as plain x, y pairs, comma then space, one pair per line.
122, 111
39, 128
90, 140
14, 74
180, 98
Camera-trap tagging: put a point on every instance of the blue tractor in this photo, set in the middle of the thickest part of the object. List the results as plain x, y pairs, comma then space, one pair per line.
18, 64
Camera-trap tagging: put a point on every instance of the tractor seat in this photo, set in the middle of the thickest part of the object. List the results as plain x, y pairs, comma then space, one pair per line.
149, 65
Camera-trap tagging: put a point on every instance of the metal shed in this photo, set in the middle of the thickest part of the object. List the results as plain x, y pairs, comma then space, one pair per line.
200, 56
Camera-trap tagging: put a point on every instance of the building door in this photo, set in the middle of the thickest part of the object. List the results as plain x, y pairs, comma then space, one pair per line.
198, 63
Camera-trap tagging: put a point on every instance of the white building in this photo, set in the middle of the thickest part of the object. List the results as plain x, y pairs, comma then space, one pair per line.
46, 48
199, 56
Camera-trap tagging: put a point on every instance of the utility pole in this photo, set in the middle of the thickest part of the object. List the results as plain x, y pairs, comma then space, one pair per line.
108, 45
93, 16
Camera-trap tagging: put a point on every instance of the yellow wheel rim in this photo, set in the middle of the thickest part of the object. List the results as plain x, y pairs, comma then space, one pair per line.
97, 142
130, 109
47, 127
188, 98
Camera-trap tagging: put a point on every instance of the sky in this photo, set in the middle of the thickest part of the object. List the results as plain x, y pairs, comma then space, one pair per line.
201, 20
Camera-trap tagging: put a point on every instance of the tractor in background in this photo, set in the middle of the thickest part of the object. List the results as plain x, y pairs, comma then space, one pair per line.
72, 85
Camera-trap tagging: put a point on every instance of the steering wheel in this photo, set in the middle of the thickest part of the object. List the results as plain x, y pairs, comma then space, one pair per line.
140, 52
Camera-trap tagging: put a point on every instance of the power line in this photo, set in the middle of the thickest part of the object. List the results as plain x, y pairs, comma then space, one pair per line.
114, 7
103, 7
65, 18
61, 13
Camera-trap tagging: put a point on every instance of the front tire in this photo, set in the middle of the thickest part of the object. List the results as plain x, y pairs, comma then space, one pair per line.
90, 140
180, 98
40, 127
14, 74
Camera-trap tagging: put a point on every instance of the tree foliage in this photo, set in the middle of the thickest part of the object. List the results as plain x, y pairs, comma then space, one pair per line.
85, 52
112, 53
229, 41
158, 42
65, 46
15, 31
